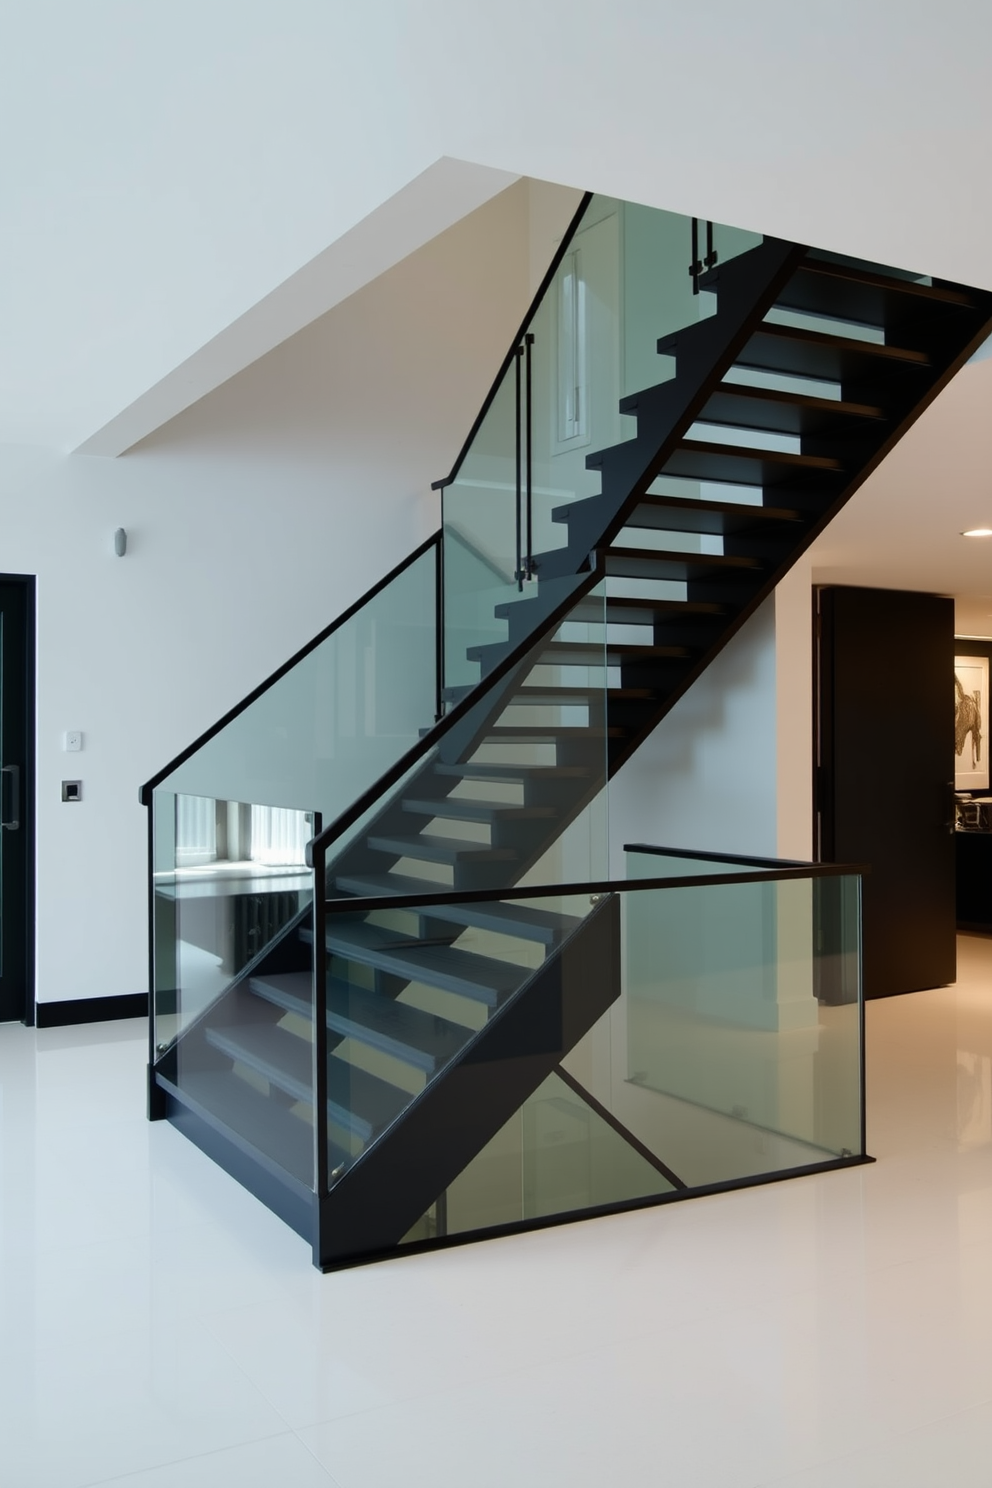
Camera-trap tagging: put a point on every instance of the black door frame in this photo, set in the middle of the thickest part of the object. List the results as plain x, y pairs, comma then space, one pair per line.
22, 586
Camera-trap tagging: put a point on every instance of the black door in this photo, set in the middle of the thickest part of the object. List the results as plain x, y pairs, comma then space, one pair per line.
16, 794
885, 669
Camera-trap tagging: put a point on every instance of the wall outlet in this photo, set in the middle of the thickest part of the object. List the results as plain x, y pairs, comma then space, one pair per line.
72, 741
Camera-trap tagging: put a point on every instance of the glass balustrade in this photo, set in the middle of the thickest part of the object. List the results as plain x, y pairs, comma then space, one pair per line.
232, 891
622, 280
649, 1038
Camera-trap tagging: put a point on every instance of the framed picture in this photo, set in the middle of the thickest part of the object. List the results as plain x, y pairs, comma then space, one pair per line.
971, 722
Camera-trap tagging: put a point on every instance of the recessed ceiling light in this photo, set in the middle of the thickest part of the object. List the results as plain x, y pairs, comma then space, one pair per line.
978, 532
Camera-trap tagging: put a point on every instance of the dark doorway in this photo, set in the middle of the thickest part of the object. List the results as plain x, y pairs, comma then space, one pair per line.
16, 799
885, 777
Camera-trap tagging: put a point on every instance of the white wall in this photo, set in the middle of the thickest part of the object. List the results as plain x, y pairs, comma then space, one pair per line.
707, 776
731, 767
253, 520
172, 162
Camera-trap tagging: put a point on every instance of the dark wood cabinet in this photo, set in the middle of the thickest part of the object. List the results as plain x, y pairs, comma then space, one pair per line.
974, 879
885, 770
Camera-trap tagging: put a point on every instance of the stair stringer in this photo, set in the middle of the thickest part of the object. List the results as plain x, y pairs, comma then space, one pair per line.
394, 1182
869, 460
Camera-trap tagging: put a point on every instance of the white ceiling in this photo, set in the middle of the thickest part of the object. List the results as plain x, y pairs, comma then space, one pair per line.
902, 529
165, 167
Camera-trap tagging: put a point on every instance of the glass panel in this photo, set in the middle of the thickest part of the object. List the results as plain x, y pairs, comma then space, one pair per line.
559, 1154
231, 823
730, 1049
409, 989
229, 878
513, 794
742, 1025
234, 969
623, 283
337, 720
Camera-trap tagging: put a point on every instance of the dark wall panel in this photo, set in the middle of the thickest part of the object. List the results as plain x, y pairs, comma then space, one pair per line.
885, 692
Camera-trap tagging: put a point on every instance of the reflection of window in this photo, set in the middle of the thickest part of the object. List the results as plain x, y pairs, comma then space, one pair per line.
279, 836
571, 349
196, 830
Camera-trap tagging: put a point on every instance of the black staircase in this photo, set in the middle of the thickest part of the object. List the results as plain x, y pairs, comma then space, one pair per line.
807, 373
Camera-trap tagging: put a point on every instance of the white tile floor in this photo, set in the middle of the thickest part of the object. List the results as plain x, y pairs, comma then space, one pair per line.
159, 1329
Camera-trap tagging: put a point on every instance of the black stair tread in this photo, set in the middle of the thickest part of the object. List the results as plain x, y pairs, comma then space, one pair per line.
582, 653
562, 696
825, 268
283, 1058
872, 349
712, 518
637, 610
590, 609
439, 849
750, 452
643, 563
740, 464
709, 518
480, 978
456, 809
496, 773
744, 407
782, 348
521, 920
549, 733
356, 1100
708, 560
415, 1038
261, 1122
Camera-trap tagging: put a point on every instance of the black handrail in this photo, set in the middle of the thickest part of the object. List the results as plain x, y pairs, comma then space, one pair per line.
605, 886
717, 857
144, 792
507, 361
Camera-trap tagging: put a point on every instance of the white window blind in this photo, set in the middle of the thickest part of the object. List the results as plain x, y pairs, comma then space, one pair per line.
279, 836
196, 830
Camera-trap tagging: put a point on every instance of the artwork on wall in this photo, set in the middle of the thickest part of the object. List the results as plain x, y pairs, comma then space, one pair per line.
971, 722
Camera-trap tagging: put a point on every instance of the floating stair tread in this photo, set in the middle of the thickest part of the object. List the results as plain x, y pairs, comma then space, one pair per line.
520, 773
648, 563
521, 920
439, 849
418, 1039
635, 610
480, 978
254, 1118
356, 1100
449, 809
283, 1058
548, 733
782, 348
708, 518
853, 274
785, 458
415, 1038
740, 406
581, 653
564, 696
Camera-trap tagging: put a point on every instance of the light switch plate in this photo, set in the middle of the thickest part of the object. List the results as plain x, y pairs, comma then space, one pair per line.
72, 742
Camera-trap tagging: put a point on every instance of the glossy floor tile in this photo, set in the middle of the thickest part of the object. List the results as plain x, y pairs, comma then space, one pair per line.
159, 1329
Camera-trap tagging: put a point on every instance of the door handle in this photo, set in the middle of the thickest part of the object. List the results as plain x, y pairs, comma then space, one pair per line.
10, 776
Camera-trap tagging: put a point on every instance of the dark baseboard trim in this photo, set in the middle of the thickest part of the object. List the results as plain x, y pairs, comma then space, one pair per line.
91, 1010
